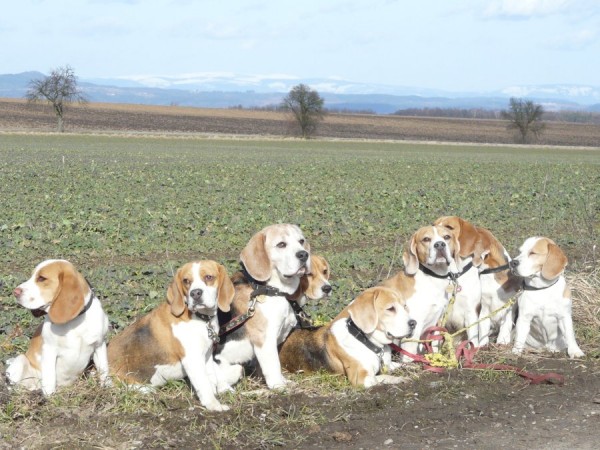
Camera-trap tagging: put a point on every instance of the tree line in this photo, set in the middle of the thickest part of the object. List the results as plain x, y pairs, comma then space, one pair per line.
306, 109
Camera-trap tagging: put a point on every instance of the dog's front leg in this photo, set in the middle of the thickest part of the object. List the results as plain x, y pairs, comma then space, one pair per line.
196, 369
48, 369
268, 359
521, 332
100, 359
506, 326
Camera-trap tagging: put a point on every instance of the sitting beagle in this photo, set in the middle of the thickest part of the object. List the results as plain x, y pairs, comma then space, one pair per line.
544, 320
73, 332
356, 342
176, 339
427, 282
485, 283
274, 261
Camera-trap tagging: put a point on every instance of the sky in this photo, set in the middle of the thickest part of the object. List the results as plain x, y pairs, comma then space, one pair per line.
451, 45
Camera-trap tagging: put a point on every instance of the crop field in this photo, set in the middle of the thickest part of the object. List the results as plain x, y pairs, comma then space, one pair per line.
129, 210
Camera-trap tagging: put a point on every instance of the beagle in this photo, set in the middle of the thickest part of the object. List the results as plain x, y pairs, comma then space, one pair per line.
274, 261
73, 332
485, 283
427, 280
313, 286
356, 342
544, 319
176, 339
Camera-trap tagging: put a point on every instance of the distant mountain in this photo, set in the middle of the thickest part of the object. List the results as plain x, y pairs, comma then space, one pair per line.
225, 90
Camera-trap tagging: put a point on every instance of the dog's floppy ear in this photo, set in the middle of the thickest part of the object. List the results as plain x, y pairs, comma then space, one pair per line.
453, 267
255, 258
69, 300
362, 311
176, 295
469, 240
409, 257
555, 263
226, 290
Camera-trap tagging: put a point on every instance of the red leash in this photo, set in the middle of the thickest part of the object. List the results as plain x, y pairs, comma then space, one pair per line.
465, 352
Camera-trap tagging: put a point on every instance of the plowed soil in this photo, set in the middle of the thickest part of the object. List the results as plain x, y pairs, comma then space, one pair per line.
17, 115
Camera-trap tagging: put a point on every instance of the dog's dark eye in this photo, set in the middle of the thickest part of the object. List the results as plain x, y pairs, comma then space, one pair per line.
325, 272
209, 278
40, 279
282, 245
449, 227
301, 241
186, 281
447, 237
531, 253
391, 309
426, 239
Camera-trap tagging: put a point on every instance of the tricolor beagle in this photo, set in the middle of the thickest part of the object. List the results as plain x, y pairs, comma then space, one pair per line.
426, 282
176, 339
74, 329
274, 261
544, 320
484, 280
356, 342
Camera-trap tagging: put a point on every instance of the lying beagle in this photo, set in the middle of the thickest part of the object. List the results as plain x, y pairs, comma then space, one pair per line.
427, 280
544, 319
274, 261
313, 286
74, 329
176, 339
356, 342
485, 283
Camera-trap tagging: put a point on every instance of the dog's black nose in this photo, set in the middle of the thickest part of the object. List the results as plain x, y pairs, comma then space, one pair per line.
439, 244
412, 324
513, 263
327, 288
302, 255
196, 294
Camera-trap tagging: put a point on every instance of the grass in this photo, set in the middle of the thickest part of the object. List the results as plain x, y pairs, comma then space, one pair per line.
128, 211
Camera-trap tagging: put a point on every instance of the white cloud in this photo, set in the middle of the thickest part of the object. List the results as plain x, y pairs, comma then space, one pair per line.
526, 8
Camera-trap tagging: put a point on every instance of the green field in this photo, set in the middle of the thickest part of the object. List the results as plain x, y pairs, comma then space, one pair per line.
129, 210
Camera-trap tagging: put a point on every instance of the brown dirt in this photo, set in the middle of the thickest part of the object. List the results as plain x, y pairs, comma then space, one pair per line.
17, 115
462, 408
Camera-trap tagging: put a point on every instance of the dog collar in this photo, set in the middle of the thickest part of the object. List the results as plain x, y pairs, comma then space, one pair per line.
526, 287
364, 339
259, 288
448, 276
204, 317
494, 270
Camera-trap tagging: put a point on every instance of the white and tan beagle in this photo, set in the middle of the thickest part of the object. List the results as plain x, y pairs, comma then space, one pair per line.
175, 340
426, 282
73, 332
315, 284
356, 342
544, 320
274, 261
485, 283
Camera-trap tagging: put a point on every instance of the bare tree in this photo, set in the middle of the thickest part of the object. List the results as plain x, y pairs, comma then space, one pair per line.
525, 116
58, 89
306, 105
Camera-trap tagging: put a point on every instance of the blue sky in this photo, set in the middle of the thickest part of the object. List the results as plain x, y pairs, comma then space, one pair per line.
452, 45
